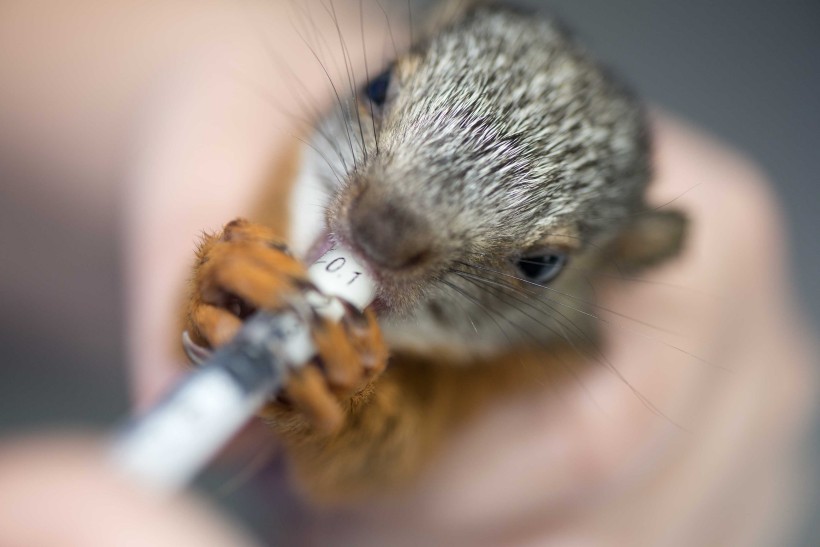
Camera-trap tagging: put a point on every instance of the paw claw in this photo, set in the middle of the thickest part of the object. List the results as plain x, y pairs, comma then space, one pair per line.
196, 353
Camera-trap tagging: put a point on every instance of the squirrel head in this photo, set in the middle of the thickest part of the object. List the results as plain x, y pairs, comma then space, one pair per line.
484, 177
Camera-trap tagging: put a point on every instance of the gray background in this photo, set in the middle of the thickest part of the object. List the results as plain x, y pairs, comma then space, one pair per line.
748, 70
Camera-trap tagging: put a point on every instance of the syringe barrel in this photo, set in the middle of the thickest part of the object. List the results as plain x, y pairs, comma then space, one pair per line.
168, 446
165, 448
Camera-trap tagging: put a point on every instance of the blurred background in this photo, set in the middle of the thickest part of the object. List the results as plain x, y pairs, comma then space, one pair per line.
747, 70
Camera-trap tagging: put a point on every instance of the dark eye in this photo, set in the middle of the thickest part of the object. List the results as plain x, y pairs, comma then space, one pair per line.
542, 267
378, 87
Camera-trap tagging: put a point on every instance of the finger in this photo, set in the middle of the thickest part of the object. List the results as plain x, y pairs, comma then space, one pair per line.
243, 230
39, 474
340, 358
265, 252
216, 325
367, 339
242, 275
308, 392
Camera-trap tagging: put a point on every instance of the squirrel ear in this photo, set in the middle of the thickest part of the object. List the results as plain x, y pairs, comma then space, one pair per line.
651, 238
449, 11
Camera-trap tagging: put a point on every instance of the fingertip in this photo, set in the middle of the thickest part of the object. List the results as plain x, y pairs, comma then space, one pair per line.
309, 393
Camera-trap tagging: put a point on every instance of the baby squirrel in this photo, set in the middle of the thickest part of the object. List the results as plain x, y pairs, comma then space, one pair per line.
483, 178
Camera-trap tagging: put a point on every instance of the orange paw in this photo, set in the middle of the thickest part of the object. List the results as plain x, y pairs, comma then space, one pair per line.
247, 268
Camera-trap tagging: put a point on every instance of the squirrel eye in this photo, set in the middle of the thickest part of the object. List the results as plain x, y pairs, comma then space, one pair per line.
542, 267
376, 90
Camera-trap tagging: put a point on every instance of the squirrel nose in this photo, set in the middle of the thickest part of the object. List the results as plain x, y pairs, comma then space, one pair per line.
388, 234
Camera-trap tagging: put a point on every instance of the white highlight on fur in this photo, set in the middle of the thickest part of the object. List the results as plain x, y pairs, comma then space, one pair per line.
307, 205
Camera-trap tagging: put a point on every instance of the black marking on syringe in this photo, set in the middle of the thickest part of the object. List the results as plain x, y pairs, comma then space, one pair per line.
255, 359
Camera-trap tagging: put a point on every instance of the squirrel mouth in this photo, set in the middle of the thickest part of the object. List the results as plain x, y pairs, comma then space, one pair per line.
319, 247
397, 291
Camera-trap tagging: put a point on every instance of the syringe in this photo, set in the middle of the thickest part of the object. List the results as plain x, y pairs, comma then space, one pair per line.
165, 448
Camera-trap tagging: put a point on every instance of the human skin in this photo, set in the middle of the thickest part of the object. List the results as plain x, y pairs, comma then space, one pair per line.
568, 453
591, 464
61, 490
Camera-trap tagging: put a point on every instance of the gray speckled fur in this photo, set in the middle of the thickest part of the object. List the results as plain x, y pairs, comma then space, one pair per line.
499, 132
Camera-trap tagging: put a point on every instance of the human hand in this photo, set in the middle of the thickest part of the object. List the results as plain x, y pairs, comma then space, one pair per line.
594, 462
689, 438
63, 491
601, 466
